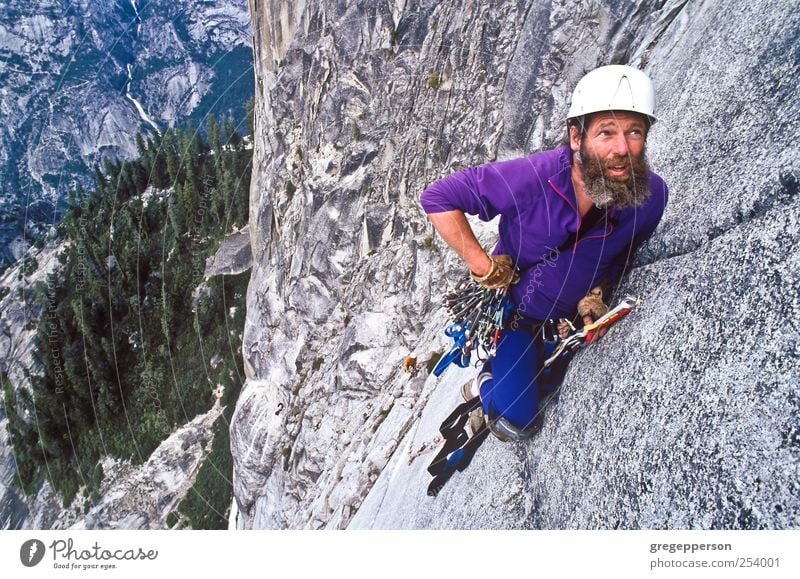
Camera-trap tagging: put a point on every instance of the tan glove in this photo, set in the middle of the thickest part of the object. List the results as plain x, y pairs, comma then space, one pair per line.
592, 305
501, 274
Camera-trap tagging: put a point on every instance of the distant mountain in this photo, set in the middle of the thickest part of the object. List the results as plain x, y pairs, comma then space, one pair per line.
78, 80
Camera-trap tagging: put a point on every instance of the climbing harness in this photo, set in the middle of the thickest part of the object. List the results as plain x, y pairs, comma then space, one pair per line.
459, 445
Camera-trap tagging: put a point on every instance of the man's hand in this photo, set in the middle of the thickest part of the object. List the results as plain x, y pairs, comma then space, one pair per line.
592, 307
501, 273
456, 232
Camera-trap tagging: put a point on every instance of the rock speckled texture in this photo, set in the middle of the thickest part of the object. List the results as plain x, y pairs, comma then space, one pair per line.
684, 417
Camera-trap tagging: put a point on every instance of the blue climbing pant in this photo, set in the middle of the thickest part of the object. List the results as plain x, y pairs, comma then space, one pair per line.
519, 381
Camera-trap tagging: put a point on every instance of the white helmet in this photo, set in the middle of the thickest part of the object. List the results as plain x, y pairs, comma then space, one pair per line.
614, 88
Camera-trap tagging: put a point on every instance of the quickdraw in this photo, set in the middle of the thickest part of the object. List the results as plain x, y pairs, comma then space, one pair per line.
477, 315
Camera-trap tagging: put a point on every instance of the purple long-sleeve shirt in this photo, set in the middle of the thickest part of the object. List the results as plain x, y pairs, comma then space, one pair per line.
539, 219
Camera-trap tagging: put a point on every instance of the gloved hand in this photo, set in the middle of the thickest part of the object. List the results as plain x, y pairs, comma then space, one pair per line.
501, 274
592, 305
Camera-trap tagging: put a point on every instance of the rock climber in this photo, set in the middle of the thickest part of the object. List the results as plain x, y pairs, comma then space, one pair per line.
571, 219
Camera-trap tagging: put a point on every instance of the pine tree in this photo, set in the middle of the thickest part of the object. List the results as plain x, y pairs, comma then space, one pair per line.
172, 159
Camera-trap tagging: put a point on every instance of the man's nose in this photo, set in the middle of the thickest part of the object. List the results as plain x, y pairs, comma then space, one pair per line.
620, 145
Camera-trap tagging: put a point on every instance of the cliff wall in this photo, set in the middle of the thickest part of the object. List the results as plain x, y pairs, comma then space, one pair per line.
685, 416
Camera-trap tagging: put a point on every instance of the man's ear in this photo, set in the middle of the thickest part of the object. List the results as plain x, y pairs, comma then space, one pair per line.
574, 138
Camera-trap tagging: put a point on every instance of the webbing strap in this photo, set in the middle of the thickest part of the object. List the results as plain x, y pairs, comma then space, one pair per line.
454, 434
458, 448
460, 459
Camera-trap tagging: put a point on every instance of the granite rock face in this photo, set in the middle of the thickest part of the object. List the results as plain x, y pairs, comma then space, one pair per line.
18, 316
685, 416
233, 256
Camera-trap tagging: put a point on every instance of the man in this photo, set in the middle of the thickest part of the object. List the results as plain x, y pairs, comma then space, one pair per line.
570, 220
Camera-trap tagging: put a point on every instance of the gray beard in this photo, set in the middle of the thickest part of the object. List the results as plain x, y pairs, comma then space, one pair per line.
607, 191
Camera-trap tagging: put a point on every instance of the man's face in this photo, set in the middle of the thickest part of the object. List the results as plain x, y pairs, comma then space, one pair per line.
613, 163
